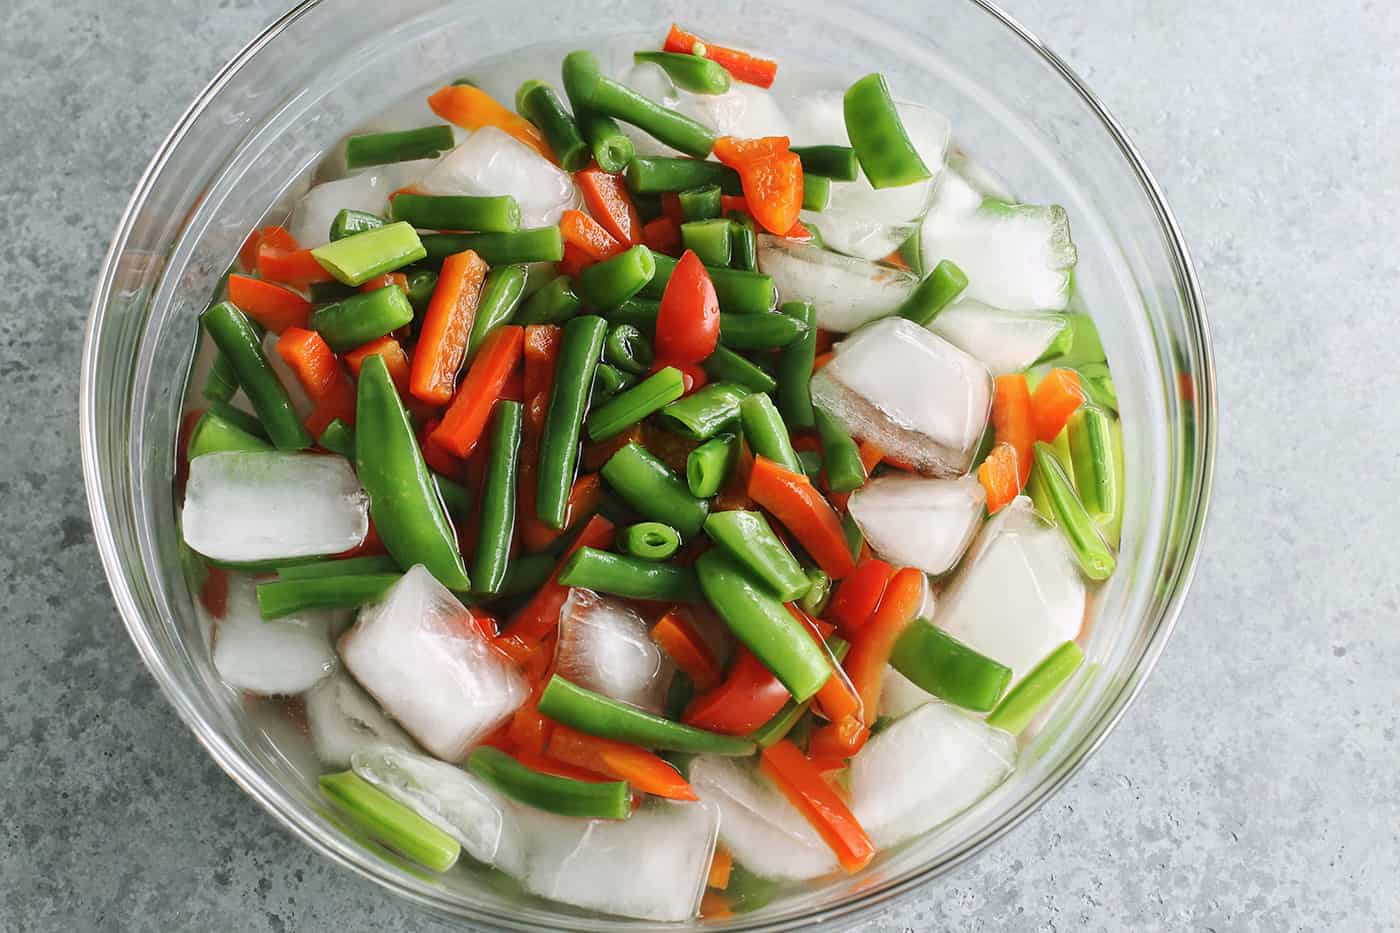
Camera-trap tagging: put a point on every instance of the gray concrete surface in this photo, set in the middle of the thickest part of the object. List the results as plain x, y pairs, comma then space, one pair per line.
1254, 786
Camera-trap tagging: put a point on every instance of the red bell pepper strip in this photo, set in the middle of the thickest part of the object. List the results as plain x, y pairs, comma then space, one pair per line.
800, 508
395, 359
321, 375
271, 305
472, 108
466, 417
662, 235
999, 476
281, 259
540, 615
857, 597
741, 65
588, 235
1054, 400
442, 341
683, 645
687, 326
608, 201
749, 696
645, 771
575, 260
802, 784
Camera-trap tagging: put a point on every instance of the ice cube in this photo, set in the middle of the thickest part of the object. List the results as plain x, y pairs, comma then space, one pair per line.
491, 162
760, 828
846, 291
1007, 341
301, 402
460, 804
366, 191
913, 521
983, 179
1018, 594
343, 720
922, 399
745, 111
1015, 256
651, 81
277, 658
925, 769
651, 866
899, 695
420, 654
272, 504
604, 646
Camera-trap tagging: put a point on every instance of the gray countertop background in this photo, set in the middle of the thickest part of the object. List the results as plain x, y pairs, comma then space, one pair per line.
1253, 786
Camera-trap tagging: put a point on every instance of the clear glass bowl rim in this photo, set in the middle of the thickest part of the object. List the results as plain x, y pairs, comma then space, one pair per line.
1201, 458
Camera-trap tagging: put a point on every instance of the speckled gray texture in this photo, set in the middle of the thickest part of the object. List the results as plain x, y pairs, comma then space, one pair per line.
1252, 788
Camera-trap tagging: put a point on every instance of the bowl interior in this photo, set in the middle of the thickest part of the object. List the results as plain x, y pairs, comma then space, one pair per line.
247, 146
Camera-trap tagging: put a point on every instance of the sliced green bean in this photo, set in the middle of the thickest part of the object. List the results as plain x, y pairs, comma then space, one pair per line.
631, 406
629, 577
627, 349
348, 223
795, 367
941, 665
589, 88
612, 149
500, 294
724, 365
708, 239
766, 433
580, 347
608, 381
602, 716
360, 257
456, 498
659, 174
877, 134
692, 73
340, 438
236, 339
498, 214
814, 601
555, 303
609, 283
526, 574
743, 242
340, 567
937, 290
244, 420
838, 163
537, 244
769, 330
749, 538
649, 540
604, 800
357, 320
497, 511
816, 192
390, 821
855, 538
421, 285
845, 471
638, 312
537, 102
222, 381
811, 463
1095, 558
280, 598
1091, 455
707, 466
649, 486
1025, 700
400, 146
704, 413
702, 203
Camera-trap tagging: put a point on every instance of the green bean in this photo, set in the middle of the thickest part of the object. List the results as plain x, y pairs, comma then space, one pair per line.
692, 73
401, 146
724, 365
609, 283
421, 285
649, 486
659, 174
348, 223
814, 601
538, 244
743, 242
783, 721
630, 407
537, 102
627, 349
704, 413
816, 192
1091, 454
766, 433
555, 303
795, 368
237, 340
603, 716
811, 463
1020, 705
243, 420
638, 312
222, 381
702, 203
886, 155
708, 466
457, 212
912, 250
497, 510
709, 239
526, 574
1097, 383
589, 88
338, 567
390, 821
580, 347
456, 498
739, 292
338, 437
1095, 558
612, 149
362, 256
937, 290
845, 471
608, 381
212, 434
751, 541
767, 331
500, 293
570, 797
280, 598
939, 664
629, 577
361, 318
838, 163
855, 538
649, 540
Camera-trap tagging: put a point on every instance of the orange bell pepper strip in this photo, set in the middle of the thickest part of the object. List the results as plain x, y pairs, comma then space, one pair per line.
721, 864
749, 696
999, 475
273, 306
248, 252
804, 787
320, 374
608, 201
281, 259
858, 596
800, 508
589, 236
471, 108
874, 643
1013, 422
442, 341
741, 65
771, 176
540, 615
1054, 400
645, 771
675, 635
395, 360
382, 281
466, 417
834, 742
529, 731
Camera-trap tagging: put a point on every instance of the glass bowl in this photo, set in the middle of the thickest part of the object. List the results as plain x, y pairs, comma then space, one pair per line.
273, 111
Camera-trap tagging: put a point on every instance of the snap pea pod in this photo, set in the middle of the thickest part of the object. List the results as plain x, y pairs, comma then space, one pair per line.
612, 149
360, 257
649, 541
580, 346
456, 498
280, 598
627, 349
403, 501
708, 466
937, 290
845, 471
638, 312
838, 163
659, 175
609, 283
724, 365
349, 222
588, 87
222, 381
554, 303
339, 437
629, 577
739, 292
1092, 456
340, 567
497, 511
813, 602
766, 433
703, 414
1020, 705
816, 192
631, 406
763, 624
769, 330
795, 367
886, 155
497, 214
608, 381
702, 203
603, 800
537, 244
400, 146
743, 243
777, 728
1052, 484
537, 102
236, 339
212, 434
607, 718
390, 821
749, 538
649, 486
709, 239
941, 665
360, 318
692, 73
500, 294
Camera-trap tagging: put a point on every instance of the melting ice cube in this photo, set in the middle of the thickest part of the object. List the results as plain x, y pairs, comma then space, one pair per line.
343, 719
281, 657
846, 291
913, 521
604, 646
367, 191
491, 162
1006, 341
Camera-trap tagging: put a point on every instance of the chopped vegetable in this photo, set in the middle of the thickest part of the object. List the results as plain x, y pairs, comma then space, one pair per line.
598, 715
886, 155
588, 87
498, 214
1020, 706
743, 66
795, 502
606, 800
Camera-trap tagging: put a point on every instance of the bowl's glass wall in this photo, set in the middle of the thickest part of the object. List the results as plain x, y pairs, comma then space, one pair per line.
246, 146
